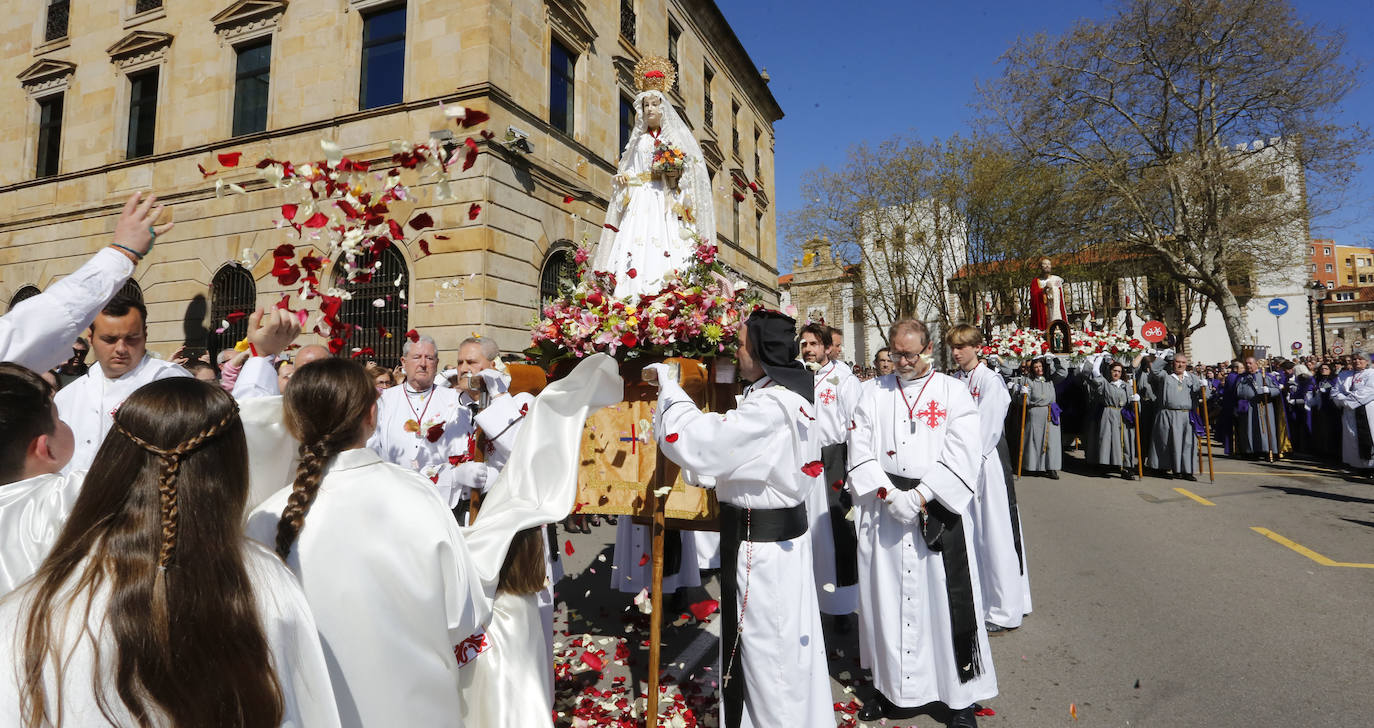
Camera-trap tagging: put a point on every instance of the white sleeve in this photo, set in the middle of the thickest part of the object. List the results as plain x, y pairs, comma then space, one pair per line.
866, 475
38, 333
714, 445
501, 421
257, 378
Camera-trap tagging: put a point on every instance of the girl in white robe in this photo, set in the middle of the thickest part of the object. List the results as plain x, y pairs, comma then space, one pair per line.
151, 608
399, 591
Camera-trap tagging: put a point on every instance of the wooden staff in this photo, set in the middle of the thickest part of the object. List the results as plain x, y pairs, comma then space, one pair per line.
1021, 441
657, 529
1139, 461
1207, 433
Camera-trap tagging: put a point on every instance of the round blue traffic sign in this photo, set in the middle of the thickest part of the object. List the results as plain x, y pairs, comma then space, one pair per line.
1278, 306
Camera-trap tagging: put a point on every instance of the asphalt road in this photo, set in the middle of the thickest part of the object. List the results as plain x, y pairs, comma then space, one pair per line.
1151, 608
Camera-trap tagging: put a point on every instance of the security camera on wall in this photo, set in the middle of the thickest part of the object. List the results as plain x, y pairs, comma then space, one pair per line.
518, 140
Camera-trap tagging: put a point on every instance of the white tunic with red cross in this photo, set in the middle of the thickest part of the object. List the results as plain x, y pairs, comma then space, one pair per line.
837, 394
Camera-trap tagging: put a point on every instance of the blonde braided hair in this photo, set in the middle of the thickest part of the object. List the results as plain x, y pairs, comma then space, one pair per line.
171, 465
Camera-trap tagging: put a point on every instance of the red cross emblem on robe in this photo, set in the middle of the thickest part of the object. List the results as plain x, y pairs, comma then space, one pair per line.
827, 396
932, 415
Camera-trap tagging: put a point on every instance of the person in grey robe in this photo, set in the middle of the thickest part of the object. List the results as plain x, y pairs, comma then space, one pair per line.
1253, 394
1041, 443
1110, 440
1173, 441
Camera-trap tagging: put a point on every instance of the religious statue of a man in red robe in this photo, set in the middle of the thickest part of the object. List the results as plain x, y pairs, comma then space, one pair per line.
1047, 298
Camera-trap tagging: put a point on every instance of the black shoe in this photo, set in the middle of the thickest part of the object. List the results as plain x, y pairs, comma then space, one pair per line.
963, 719
1128, 475
1166, 475
1189, 476
995, 629
870, 711
1052, 474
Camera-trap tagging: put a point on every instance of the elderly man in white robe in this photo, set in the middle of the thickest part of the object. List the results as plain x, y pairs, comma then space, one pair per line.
996, 520
762, 458
833, 543
424, 427
914, 460
1353, 393
119, 337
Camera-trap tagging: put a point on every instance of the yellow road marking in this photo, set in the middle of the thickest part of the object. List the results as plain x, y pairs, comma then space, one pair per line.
1309, 553
1195, 496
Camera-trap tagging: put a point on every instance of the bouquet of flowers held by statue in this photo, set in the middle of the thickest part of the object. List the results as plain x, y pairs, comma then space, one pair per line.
668, 159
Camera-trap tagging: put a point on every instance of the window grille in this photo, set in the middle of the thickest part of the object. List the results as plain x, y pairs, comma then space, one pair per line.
143, 6
360, 312
23, 294
132, 290
627, 20
232, 291
559, 275
59, 14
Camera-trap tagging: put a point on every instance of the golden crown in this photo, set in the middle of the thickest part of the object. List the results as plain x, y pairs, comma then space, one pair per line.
655, 73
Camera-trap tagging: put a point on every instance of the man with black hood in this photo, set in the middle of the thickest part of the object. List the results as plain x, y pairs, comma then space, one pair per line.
763, 458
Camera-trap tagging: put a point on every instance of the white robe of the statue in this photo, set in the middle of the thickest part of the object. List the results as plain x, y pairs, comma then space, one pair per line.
903, 602
438, 407
88, 404
1354, 389
399, 591
837, 394
510, 685
38, 332
32, 512
292, 641
1006, 589
753, 456
652, 240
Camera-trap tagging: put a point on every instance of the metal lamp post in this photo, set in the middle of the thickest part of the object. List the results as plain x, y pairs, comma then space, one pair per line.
1317, 292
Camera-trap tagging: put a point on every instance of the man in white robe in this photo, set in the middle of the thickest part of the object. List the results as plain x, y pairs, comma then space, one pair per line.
762, 458
1353, 393
38, 332
833, 542
424, 427
119, 337
995, 519
914, 457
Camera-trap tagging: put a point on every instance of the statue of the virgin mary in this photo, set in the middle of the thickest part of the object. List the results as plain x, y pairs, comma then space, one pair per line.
661, 195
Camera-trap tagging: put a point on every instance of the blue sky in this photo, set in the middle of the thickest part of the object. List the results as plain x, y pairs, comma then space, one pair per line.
866, 70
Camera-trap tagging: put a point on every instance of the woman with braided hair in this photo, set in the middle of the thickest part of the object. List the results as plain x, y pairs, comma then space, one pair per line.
151, 609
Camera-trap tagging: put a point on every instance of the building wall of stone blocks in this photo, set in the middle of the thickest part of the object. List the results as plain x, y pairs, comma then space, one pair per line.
491, 55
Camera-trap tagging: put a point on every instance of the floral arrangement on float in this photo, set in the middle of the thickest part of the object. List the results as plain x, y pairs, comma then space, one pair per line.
1022, 344
697, 314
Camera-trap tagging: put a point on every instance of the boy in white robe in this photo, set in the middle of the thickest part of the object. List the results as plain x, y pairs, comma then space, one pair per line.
35, 497
996, 522
914, 457
762, 458
119, 338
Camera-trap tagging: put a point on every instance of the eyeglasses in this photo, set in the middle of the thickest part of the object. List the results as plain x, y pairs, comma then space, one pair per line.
907, 355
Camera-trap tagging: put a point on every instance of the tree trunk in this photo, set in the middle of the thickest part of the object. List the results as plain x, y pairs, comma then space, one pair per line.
1237, 323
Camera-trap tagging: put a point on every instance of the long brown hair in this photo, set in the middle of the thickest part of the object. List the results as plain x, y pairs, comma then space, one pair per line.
325, 408
160, 521
523, 570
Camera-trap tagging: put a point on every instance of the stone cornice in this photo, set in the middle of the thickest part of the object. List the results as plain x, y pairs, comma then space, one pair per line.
139, 47
246, 18
46, 74
571, 21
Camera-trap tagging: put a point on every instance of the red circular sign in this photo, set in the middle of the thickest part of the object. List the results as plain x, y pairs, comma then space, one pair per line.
1153, 331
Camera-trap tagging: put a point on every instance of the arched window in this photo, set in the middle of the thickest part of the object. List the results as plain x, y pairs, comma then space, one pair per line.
559, 273
132, 290
23, 294
362, 312
232, 291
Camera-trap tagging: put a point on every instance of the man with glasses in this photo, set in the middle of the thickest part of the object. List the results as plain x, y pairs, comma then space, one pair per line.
420, 425
914, 458
75, 367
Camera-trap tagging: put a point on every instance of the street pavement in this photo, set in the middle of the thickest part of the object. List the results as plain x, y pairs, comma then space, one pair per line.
1244, 602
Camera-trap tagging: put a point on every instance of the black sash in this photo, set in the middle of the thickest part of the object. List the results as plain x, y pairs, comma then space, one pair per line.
1362, 434
738, 525
943, 531
835, 459
1004, 453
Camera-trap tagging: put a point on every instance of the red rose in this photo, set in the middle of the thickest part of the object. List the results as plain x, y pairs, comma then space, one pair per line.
813, 469
435, 432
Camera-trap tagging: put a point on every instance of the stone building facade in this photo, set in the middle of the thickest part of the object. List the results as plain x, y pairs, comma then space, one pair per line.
112, 96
